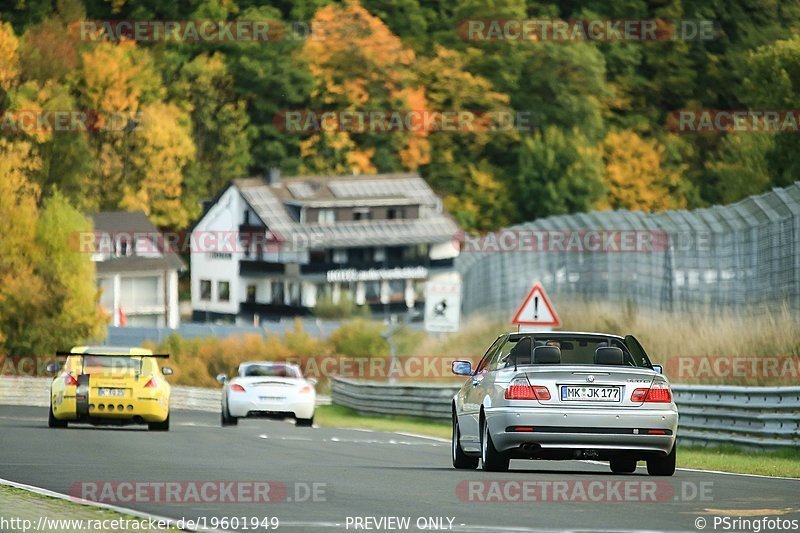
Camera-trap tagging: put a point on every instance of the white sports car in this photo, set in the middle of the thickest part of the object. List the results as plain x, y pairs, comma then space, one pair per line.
268, 390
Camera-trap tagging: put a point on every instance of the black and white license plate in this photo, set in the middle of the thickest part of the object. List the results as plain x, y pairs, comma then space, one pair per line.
272, 398
590, 393
110, 392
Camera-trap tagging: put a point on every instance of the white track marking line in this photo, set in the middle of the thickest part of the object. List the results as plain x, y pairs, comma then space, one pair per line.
79, 501
704, 471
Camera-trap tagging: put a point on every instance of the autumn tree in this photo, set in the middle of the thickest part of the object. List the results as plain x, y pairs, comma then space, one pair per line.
9, 58
219, 125
22, 292
359, 64
635, 175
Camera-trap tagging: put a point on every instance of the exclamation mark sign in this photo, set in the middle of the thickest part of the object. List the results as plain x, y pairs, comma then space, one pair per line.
535, 307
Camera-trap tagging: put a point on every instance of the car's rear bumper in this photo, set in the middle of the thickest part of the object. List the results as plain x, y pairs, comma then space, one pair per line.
249, 406
535, 430
143, 409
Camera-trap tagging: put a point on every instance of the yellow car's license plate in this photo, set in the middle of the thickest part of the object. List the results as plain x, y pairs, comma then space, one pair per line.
110, 392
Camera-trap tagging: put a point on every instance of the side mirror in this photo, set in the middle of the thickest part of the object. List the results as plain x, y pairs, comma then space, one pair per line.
52, 368
167, 371
222, 378
462, 368
658, 368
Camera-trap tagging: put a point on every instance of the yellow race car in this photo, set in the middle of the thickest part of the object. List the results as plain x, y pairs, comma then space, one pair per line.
109, 386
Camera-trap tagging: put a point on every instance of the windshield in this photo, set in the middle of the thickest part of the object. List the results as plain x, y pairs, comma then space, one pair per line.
575, 349
271, 370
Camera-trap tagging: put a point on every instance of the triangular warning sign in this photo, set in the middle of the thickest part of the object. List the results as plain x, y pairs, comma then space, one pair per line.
536, 310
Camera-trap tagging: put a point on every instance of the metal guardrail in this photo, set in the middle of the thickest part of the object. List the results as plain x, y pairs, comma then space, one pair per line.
34, 392
709, 414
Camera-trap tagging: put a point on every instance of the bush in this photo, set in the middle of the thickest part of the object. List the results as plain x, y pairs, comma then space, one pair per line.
360, 338
344, 308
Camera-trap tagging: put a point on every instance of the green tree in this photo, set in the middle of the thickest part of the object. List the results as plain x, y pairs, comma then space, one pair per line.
71, 314
559, 172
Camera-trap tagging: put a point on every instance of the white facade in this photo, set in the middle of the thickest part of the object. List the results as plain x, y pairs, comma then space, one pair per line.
145, 298
231, 282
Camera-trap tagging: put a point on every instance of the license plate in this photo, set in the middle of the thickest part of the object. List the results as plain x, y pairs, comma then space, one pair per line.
584, 393
110, 392
272, 398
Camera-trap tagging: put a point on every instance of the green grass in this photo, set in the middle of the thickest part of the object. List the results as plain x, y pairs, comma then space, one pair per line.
23, 505
343, 417
784, 463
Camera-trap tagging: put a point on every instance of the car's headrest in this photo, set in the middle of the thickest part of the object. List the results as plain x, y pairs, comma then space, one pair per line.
521, 352
608, 355
546, 355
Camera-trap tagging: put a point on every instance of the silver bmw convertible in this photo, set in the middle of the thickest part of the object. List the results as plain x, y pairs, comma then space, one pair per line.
564, 396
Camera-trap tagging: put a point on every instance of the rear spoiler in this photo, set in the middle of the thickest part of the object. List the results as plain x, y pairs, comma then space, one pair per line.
70, 354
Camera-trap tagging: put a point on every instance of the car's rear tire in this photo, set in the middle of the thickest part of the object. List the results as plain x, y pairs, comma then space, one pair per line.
623, 465
226, 418
491, 459
304, 422
663, 465
159, 426
461, 460
54, 422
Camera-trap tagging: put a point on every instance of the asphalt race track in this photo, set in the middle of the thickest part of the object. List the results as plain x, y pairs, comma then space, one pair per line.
361, 474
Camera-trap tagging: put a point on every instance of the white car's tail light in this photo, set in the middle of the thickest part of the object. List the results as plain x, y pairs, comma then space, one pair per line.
659, 392
237, 388
306, 389
521, 389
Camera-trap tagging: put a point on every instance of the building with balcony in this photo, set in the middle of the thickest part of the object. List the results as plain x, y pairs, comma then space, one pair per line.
137, 275
267, 248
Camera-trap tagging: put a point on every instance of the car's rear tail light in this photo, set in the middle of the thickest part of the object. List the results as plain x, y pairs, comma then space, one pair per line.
237, 388
521, 389
542, 393
151, 384
70, 381
657, 393
306, 389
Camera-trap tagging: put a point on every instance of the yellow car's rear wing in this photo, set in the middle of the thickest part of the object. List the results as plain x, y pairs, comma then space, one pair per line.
71, 354
83, 355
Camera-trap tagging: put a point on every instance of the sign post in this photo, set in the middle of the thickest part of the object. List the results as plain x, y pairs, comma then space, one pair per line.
442, 306
536, 312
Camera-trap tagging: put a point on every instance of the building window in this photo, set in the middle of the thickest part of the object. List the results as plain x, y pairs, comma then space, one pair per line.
123, 247
372, 291
340, 256
326, 216
277, 292
361, 214
251, 294
223, 291
294, 294
205, 289
394, 213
